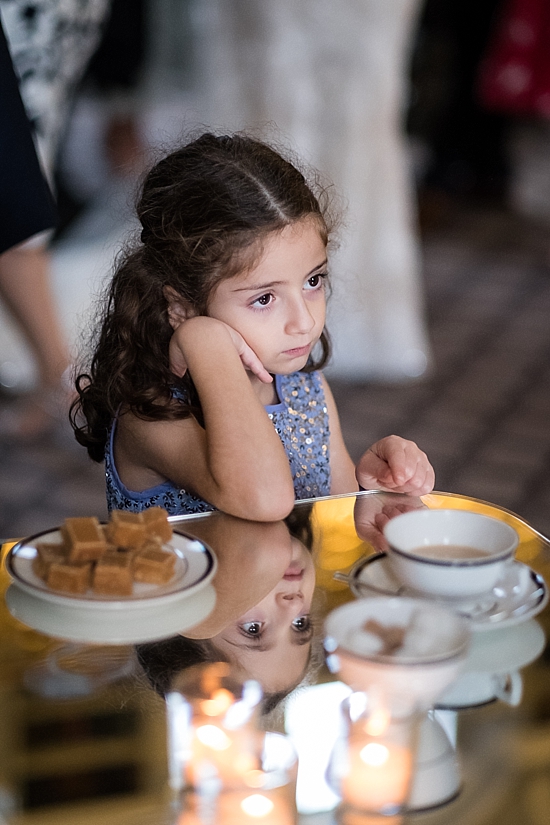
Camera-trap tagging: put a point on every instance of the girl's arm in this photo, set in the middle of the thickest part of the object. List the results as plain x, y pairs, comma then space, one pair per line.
237, 462
393, 463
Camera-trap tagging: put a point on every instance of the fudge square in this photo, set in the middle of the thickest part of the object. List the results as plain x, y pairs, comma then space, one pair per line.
84, 538
112, 575
126, 529
153, 565
69, 578
46, 554
156, 523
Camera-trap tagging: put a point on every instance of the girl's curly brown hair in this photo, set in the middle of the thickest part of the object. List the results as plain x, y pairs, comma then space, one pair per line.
205, 211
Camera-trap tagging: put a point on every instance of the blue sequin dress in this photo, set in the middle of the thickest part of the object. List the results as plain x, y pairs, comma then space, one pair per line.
301, 421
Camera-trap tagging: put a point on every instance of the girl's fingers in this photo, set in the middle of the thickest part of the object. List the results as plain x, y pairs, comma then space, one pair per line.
177, 361
249, 358
252, 363
371, 470
397, 465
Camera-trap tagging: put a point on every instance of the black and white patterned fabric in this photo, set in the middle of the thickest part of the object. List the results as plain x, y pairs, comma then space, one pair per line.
51, 42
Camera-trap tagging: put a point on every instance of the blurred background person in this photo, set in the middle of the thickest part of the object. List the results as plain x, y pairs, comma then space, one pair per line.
332, 78
50, 44
464, 143
513, 84
26, 203
111, 89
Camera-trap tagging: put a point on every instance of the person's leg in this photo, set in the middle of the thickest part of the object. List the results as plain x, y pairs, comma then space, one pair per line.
26, 290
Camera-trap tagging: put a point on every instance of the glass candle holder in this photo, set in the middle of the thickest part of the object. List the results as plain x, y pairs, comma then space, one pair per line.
371, 767
265, 795
224, 768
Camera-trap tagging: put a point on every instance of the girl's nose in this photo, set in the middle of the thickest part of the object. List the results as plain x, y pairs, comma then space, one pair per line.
300, 319
290, 597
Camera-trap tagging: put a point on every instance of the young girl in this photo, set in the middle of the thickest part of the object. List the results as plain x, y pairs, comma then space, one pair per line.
204, 390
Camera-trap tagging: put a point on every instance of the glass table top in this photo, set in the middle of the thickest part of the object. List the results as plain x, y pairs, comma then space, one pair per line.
83, 722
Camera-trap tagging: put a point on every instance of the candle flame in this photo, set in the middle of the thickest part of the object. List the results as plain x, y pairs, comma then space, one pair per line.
218, 703
378, 722
213, 737
374, 754
254, 778
257, 805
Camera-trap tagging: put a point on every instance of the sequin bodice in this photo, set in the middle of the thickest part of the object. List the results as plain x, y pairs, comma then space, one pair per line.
301, 421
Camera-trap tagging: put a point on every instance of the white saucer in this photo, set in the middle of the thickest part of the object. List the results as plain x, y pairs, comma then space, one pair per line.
508, 648
152, 612
519, 596
78, 623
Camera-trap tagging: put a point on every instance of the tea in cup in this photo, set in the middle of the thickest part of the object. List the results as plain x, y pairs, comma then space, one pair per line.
449, 553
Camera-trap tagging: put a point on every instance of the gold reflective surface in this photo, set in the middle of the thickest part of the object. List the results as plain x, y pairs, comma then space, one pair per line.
83, 733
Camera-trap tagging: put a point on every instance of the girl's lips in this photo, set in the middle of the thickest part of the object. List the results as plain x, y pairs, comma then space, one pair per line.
297, 351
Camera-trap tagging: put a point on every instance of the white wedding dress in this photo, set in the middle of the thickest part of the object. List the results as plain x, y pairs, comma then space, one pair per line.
328, 78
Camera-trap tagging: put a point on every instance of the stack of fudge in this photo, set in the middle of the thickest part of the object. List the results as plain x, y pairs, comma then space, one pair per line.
108, 559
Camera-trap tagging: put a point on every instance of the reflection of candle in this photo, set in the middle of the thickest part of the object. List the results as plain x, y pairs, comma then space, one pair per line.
351, 817
379, 775
273, 807
226, 754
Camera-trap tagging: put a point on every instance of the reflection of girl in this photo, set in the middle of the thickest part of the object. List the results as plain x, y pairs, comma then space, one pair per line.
204, 389
270, 641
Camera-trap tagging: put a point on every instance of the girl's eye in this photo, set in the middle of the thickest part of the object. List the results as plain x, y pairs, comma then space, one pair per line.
301, 624
252, 628
263, 300
315, 281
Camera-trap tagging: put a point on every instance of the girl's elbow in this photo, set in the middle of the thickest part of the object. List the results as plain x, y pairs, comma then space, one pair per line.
279, 506
273, 504
263, 503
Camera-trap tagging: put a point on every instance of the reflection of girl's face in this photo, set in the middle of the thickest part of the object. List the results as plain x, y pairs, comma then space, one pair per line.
271, 641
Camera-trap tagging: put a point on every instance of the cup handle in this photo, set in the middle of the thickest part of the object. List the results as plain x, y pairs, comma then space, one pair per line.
509, 688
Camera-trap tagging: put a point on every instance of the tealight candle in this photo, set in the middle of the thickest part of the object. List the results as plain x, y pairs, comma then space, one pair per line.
227, 754
379, 775
213, 736
372, 762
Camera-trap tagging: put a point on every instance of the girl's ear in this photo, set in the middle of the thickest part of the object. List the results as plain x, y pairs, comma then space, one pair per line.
178, 308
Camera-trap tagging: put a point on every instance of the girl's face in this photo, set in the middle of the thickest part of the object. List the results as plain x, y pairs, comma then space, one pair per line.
279, 305
271, 641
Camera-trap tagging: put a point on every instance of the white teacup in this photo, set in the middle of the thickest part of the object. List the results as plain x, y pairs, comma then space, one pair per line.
449, 553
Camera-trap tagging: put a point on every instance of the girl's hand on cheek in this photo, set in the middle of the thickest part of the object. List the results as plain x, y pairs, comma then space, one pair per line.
192, 332
249, 359
396, 465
